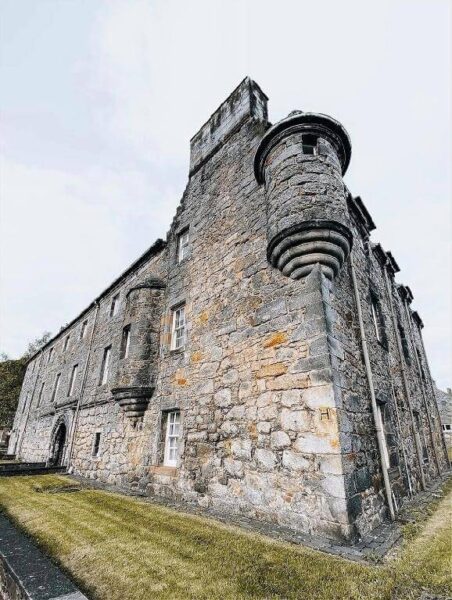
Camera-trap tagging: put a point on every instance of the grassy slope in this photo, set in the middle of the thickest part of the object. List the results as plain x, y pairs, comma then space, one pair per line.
123, 548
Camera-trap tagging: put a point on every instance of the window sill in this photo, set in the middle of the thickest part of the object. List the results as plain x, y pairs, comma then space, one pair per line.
162, 470
177, 350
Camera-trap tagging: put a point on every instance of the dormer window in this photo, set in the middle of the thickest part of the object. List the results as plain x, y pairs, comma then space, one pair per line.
182, 245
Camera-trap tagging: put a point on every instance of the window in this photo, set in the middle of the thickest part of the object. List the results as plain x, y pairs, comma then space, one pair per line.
25, 402
172, 438
446, 427
50, 356
72, 381
96, 444
105, 366
309, 142
405, 347
125, 342
41, 392
83, 329
376, 320
380, 413
419, 358
114, 306
421, 436
178, 328
182, 245
66, 343
56, 386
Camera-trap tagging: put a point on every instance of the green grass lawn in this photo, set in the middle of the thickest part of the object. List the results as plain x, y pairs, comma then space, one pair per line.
121, 548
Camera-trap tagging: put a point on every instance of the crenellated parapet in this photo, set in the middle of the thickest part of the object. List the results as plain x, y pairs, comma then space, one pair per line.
135, 380
301, 160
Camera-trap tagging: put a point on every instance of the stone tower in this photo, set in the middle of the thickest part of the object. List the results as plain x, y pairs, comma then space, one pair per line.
301, 160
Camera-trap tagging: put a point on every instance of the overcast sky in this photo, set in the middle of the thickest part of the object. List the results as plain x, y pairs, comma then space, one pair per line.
100, 98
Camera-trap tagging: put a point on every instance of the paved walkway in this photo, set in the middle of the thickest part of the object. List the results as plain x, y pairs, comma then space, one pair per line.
373, 547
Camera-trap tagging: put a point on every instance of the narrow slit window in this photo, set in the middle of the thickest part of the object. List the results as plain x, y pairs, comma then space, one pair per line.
41, 393
66, 343
55, 387
72, 380
114, 306
83, 330
172, 439
96, 444
125, 342
50, 356
105, 367
380, 413
178, 328
182, 245
376, 320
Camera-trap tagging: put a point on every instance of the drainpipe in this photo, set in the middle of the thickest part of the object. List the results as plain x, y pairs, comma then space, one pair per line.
438, 416
424, 397
22, 433
82, 389
405, 380
377, 421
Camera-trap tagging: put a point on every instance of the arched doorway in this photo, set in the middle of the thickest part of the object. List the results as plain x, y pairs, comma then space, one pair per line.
58, 446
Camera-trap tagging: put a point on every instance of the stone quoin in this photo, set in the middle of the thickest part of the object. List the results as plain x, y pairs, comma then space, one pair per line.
262, 360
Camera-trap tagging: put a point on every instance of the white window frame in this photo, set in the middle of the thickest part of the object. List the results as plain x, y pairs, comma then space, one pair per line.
380, 408
172, 437
72, 380
114, 307
178, 328
375, 319
105, 366
183, 243
56, 387
126, 331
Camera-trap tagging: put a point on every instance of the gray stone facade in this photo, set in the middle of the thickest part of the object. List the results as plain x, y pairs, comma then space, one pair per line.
301, 386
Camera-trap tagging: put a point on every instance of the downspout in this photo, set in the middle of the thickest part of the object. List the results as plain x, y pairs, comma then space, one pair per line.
82, 389
438, 416
22, 433
404, 379
424, 398
380, 435
402, 442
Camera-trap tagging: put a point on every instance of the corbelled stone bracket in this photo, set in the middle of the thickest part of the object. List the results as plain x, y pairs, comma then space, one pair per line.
133, 400
301, 160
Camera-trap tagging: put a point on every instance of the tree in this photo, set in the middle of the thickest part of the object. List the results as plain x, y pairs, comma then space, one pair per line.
12, 372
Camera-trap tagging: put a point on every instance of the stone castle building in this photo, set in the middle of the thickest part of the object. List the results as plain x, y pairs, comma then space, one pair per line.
261, 360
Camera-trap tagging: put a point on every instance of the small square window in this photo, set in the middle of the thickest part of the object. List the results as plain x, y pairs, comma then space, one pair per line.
105, 366
114, 306
309, 142
125, 342
172, 439
182, 245
96, 444
178, 328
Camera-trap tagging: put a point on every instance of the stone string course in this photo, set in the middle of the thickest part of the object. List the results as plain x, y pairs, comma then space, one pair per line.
276, 420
